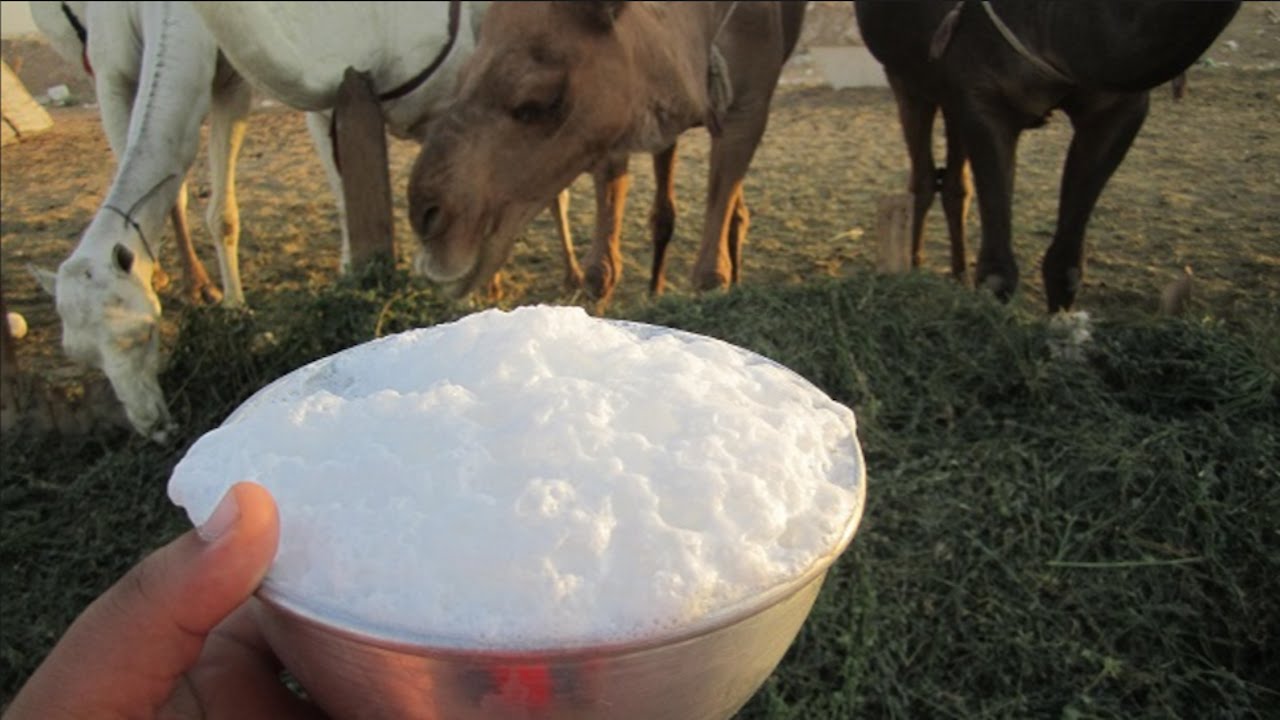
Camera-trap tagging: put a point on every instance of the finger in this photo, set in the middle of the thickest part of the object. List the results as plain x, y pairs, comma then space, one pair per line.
126, 651
237, 676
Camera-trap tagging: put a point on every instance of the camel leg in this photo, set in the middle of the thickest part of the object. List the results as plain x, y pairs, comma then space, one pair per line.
739, 222
560, 211
226, 132
916, 115
992, 142
604, 261
199, 288
731, 155
662, 218
957, 191
318, 124
1104, 131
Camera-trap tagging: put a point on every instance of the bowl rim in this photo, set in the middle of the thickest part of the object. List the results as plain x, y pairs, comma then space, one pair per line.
337, 622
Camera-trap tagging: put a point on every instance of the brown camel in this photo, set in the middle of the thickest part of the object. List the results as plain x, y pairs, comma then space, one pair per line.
555, 89
997, 68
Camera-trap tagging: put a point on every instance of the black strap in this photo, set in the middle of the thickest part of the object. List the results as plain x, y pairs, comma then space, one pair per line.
455, 12
75, 24
413, 83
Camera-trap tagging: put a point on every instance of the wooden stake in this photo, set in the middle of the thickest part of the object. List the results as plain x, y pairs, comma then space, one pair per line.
360, 149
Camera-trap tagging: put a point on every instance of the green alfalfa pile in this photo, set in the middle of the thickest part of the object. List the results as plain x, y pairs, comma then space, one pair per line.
1052, 530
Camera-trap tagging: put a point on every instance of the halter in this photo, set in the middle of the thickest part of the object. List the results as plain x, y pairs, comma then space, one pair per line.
413, 83
128, 216
942, 37
82, 34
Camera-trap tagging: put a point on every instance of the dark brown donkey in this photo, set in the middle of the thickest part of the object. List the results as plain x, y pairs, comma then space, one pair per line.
555, 89
996, 69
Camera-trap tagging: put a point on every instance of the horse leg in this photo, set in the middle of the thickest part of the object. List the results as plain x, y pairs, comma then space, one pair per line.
226, 132
199, 288
662, 218
957, 191
739, 222
916, 115
604, 261
318, 124
1104, 130
991, 139
560, 211
731, 153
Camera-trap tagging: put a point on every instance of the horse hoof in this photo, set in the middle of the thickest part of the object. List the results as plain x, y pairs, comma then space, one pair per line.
159, 280
998, 286
210, 295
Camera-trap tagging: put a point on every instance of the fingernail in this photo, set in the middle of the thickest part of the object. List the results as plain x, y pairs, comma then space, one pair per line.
223, 518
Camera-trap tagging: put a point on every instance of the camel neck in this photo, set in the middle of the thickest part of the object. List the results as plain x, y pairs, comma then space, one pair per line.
674, 71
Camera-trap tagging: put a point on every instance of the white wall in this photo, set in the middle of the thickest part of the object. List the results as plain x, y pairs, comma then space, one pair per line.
15, 18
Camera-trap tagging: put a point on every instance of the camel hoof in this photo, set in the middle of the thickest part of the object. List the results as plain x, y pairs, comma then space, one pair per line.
573, 280
715, 280
599, 281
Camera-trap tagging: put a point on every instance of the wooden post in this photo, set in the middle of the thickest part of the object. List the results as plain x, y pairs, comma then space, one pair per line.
360, 149
893, 231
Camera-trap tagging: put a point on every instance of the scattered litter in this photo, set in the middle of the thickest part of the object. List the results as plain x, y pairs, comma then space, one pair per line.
59, 95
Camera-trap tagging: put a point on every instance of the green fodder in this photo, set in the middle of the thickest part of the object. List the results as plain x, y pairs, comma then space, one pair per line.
1044, 536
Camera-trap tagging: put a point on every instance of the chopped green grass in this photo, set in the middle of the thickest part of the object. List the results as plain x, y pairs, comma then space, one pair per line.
1044, 537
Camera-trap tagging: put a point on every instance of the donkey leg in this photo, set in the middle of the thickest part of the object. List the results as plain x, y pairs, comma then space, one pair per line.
957, 191
198, 287
226, 132
318, 124
991, 139
916, 115
662, 218
604, 261
731, 155
1105, 127
560, 211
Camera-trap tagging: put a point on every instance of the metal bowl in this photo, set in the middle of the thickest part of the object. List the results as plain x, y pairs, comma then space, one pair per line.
705, 669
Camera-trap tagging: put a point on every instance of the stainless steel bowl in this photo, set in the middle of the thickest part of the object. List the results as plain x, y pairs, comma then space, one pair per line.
706, 669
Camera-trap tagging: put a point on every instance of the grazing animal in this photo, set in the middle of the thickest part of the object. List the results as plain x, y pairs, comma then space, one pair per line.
299, 52
998, 68
63, 23
555, 89
157, 75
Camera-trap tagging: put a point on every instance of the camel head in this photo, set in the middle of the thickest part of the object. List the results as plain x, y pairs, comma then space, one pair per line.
541, 100
110, 317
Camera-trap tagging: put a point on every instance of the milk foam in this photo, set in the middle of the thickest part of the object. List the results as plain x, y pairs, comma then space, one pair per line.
537, 478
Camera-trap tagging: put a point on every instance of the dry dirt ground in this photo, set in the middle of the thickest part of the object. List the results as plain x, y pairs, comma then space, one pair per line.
1201, 186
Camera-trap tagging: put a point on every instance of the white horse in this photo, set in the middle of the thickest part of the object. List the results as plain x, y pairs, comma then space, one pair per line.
157, 73
298, 53
62, 23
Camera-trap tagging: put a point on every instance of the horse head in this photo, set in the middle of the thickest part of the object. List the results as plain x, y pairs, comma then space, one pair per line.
110, 316
548, 84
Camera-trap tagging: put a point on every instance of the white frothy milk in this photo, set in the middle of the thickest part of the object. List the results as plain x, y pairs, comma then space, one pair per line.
538, 478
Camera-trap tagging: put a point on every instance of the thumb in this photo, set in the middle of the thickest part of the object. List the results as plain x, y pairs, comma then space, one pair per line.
126, 651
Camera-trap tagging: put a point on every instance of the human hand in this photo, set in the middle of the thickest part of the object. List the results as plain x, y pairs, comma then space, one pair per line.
175, 637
